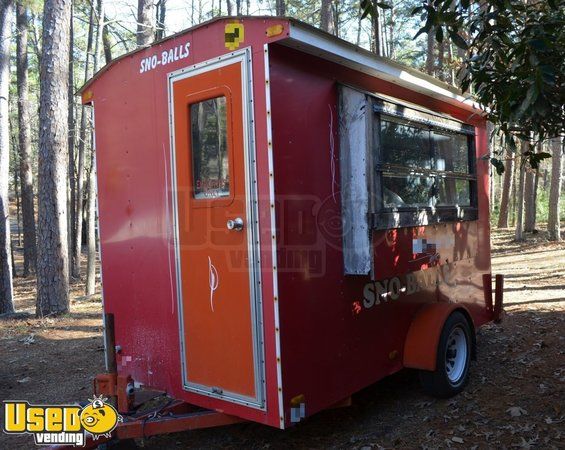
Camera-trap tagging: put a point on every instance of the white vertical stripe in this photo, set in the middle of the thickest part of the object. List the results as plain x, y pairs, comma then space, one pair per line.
273, 235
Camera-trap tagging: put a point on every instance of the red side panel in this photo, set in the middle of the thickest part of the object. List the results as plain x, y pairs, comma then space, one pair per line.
135, 204
332, 345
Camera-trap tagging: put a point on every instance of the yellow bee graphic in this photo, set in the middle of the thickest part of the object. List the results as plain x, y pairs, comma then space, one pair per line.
99, 418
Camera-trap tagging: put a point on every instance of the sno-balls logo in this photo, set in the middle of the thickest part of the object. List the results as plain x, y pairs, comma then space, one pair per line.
61, 424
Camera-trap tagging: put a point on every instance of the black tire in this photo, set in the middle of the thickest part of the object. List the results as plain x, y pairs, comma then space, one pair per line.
453, 359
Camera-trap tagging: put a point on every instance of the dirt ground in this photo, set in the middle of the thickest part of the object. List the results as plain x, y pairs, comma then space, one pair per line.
515, 399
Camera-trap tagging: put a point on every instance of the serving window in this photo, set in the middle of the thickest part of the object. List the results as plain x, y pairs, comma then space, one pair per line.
401, 166
424, 164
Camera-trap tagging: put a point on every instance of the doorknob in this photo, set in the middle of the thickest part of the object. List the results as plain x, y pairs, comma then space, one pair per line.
235, 224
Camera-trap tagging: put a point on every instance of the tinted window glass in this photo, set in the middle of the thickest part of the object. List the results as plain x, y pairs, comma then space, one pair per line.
407, 190
453, 191
451, 152
405, 145
209, 148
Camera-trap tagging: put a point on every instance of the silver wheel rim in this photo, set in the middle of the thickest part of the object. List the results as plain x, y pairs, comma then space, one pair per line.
456, 355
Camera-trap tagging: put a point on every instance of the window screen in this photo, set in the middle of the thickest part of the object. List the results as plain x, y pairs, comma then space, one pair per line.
210, 160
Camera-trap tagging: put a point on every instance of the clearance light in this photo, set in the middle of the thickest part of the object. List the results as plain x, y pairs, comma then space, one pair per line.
86, 96
274, 30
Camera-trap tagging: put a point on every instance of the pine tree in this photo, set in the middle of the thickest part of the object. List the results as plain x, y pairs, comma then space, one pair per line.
6, 286
145, 23
553, 220
53, 258
26, 173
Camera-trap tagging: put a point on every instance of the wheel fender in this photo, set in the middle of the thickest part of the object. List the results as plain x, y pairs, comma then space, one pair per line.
422, 339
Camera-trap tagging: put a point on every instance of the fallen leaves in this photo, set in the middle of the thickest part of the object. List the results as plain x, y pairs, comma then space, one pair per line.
516, 411
28, 340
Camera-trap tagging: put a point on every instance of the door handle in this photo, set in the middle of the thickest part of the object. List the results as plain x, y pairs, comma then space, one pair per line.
235, 224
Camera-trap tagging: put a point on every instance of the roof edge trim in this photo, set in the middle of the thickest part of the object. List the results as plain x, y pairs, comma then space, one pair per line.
315, 42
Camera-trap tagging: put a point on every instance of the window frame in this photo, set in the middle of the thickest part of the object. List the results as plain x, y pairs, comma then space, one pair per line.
383, 217
210, 94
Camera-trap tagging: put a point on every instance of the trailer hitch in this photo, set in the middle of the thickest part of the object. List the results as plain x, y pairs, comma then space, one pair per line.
495, 309
174, 417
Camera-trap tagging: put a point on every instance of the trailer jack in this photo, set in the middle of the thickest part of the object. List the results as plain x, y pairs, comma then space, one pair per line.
170, 417
494, 309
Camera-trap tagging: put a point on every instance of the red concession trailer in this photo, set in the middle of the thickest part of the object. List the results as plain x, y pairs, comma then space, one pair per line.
284, 219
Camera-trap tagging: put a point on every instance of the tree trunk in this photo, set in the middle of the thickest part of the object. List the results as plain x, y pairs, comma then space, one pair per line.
514, 195
376, 23
91, 227
91, 212
326, 17
77, 244
336, 14
452, 72
553, 218
71, 191
161, 14
359, 28
506, 189
384, 37
26, 174
391, 25
280, 7
145, 25
107, 41
6, 286
441, 60
17, 191
530, 202
430, 54
491, 171
519, 234
53, 258
35, 36
430, 49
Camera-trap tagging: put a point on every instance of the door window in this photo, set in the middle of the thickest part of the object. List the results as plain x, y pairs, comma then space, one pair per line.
210, 161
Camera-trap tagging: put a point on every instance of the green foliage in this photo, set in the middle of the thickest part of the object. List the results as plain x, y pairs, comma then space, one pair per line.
368, 7
514, 64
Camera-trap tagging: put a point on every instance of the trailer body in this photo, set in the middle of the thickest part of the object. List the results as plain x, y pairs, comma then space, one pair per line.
253, 257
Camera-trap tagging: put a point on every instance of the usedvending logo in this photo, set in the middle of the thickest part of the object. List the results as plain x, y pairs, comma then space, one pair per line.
61, 424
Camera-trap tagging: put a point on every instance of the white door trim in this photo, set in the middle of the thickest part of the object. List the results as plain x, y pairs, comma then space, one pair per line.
243, 57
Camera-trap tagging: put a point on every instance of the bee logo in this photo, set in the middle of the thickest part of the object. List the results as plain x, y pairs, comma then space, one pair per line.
99, 418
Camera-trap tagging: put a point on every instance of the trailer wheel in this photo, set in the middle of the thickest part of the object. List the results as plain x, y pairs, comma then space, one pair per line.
453, 359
